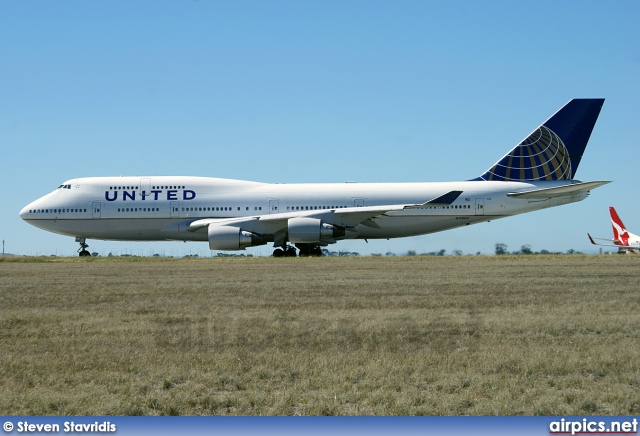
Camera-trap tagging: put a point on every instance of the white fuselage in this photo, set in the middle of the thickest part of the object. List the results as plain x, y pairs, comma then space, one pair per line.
162, 208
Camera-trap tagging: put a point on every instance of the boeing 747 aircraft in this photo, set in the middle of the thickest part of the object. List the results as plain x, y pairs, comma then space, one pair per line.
235, 214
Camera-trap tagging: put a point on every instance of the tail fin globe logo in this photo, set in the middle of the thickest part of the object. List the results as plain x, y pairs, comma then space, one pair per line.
541, 156
554, 150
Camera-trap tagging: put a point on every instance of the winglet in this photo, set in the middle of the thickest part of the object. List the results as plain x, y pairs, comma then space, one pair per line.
591, 239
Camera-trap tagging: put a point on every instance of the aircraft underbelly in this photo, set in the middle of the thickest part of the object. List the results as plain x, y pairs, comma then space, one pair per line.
395, 227
120, 229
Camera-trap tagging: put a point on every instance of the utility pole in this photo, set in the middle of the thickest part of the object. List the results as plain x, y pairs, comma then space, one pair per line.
3, 247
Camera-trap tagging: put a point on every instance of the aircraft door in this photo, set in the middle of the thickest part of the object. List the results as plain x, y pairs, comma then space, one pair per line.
273, 206
358, 202
175, 209
479, 206
95, 210
145, 187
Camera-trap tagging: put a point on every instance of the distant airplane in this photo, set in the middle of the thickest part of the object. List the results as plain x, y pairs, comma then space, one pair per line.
235, 214
622, 239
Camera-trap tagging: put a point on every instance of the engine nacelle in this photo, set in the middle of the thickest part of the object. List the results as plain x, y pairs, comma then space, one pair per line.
312, 230
232, 238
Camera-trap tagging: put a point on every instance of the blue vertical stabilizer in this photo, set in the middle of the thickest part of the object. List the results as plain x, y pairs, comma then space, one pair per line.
552, 151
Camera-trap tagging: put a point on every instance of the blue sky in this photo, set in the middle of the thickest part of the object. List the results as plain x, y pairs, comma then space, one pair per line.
315, 91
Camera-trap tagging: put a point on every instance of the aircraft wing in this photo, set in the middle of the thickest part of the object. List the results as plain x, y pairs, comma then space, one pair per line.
612, 244
558, 191
348, 217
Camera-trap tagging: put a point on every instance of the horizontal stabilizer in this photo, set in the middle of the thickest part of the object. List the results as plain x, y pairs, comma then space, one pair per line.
558, 191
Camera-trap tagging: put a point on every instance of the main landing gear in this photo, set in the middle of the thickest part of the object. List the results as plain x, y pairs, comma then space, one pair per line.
287, 251
82, 251
305, 250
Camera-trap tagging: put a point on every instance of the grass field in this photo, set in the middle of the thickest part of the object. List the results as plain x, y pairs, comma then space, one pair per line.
487, 335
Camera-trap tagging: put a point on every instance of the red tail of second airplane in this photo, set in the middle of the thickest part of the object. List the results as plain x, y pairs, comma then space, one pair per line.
620, 234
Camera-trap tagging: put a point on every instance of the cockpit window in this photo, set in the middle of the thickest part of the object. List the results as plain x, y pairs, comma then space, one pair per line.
64, 187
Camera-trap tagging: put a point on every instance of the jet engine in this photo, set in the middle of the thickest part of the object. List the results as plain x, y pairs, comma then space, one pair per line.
312, 230
232, 238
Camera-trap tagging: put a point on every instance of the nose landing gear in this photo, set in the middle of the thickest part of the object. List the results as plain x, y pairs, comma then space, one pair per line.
82, 251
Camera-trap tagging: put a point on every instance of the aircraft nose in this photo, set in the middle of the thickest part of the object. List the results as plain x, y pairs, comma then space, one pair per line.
24, 213
28, 210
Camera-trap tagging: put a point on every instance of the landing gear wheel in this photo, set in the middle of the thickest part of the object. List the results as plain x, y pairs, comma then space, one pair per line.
290, 252
82, 251
287, 251
309, 250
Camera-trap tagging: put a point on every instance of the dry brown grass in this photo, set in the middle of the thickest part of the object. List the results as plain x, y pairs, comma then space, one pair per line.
337, 336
